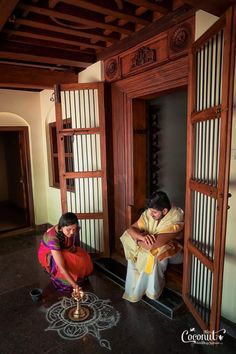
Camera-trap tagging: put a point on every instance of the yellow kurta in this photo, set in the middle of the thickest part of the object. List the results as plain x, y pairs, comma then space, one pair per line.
144, 259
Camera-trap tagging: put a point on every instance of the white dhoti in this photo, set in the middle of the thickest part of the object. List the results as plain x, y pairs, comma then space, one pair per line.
139, 284
145, 270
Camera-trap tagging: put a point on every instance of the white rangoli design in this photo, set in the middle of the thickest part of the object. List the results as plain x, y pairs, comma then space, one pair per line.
102, 316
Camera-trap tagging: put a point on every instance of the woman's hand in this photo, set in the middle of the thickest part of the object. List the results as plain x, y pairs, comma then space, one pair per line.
76, 288
58, 257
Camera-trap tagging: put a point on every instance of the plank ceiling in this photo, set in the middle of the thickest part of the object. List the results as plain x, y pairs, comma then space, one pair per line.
52, 37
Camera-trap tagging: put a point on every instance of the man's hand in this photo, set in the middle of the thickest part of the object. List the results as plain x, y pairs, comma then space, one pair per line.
145, 246
147, 239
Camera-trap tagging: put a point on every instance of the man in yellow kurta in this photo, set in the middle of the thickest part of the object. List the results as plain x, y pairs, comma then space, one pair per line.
149, 244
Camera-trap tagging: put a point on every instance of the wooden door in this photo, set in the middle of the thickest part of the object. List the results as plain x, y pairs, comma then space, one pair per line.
80, 125
140, 164
16, 168
208, 144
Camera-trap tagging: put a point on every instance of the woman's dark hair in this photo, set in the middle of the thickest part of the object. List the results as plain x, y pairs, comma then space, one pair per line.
159, 201
67, 219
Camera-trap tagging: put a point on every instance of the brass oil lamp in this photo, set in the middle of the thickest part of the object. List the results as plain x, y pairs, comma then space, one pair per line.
78, 312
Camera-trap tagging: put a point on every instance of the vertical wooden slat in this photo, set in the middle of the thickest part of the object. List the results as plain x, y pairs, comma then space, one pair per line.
77, 127
189, 158
104, 164
208, 140
60, 144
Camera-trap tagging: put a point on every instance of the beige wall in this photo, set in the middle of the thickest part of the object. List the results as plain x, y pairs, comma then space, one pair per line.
93, 73
23, 108
52, 194
204, 20
35, 110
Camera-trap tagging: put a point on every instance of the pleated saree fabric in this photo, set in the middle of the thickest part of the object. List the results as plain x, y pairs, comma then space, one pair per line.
77, 261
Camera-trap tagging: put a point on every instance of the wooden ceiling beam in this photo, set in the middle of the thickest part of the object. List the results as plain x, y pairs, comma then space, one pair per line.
6, 8
13, 76
30, 65
64, 30
11, 46
107, 9
52, 3
45, 44
163, 24
215, 7
28, 53
52, 39
150, 6
141, 10
43, 59
119, 4
75, 19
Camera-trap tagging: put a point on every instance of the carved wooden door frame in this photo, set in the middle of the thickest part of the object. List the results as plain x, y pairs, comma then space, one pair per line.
170, 76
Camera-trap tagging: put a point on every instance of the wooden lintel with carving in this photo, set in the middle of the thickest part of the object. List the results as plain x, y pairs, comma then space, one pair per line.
157, 27
161, 49
13, 76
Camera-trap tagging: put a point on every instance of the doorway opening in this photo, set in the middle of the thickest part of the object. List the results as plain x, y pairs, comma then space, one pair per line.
159, 155
16, 205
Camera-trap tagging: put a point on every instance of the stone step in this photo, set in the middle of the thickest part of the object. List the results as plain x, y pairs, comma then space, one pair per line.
169, 304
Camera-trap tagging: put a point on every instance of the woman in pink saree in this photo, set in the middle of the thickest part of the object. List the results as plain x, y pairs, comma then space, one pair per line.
61, 257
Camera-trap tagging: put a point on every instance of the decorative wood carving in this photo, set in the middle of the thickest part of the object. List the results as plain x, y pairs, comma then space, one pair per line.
112, 69
154, 52
142, 56
150, 54
180, 38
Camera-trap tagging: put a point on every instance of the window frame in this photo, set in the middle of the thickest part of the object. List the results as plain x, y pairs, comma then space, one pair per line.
54, 157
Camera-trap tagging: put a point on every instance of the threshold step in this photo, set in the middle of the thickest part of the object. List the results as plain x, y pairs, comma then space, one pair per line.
169, 304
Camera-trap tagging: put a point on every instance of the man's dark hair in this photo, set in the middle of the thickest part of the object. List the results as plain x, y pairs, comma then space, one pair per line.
159, 201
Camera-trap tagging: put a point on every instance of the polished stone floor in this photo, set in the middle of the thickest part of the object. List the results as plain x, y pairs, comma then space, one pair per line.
127, 328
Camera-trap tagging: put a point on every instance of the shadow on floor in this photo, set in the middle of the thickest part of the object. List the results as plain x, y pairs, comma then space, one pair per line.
138, 328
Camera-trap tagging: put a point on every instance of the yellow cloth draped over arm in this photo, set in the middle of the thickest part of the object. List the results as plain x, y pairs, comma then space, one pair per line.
144, 259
